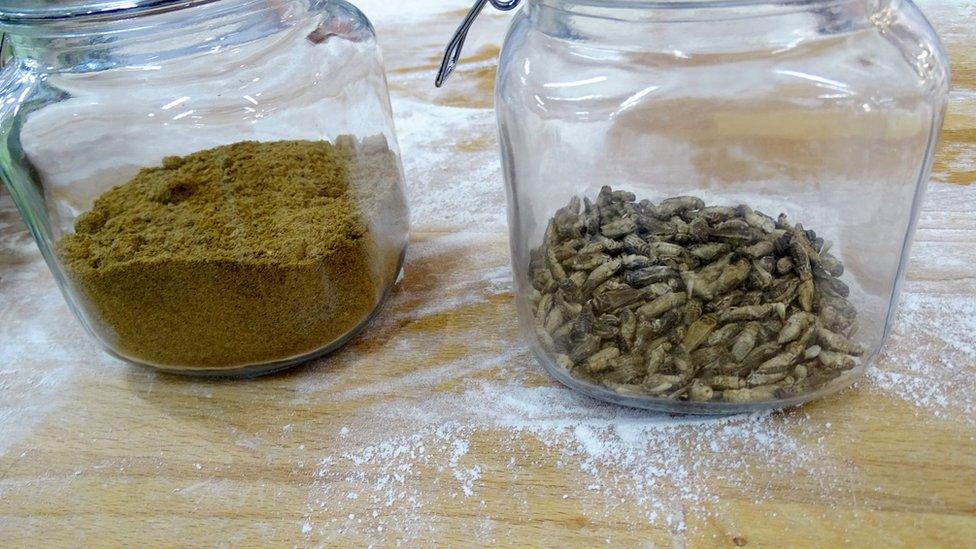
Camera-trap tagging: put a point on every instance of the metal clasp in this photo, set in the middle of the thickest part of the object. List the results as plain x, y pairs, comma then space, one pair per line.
453, 51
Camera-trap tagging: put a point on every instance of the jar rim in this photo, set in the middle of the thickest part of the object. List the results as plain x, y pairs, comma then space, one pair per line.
31, 12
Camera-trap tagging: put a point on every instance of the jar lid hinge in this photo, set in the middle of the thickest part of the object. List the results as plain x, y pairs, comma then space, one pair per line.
453, 52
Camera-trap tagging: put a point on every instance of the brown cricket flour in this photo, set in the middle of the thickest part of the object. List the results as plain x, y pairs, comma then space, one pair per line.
242, 254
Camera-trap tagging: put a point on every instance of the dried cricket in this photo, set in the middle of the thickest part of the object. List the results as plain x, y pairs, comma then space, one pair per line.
680, 300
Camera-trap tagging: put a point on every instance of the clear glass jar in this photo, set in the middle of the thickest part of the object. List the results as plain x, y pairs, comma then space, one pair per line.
826, 111
215, 184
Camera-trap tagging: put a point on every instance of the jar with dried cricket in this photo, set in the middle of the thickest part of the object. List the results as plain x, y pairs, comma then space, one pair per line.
711, 203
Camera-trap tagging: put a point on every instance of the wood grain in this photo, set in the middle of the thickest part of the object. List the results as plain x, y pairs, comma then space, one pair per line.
95, 452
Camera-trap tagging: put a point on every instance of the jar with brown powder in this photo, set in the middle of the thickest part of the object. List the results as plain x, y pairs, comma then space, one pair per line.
214, 210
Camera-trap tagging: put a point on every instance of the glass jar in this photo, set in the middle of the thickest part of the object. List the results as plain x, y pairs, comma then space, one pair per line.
649, 149
215, 184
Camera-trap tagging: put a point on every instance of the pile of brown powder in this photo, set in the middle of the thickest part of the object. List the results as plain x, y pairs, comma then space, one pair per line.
237, 255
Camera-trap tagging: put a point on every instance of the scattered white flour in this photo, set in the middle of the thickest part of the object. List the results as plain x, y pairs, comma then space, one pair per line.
448, 187
930, 359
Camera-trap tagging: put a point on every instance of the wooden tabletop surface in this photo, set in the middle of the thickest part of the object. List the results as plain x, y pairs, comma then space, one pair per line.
436, 426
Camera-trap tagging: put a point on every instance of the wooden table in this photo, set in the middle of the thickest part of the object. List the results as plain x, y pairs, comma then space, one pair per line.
436, 426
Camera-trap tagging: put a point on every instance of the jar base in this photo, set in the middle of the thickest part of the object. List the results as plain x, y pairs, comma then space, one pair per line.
681, 407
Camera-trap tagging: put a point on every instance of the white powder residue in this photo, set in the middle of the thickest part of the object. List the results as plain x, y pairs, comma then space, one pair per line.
466, 476
445, 186
492, 279
39, 350
615, 457
930, 359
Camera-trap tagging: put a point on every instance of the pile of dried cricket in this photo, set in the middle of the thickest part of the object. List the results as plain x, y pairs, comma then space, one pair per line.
680, 300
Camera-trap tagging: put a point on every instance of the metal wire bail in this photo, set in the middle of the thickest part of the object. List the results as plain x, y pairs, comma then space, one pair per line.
453, 51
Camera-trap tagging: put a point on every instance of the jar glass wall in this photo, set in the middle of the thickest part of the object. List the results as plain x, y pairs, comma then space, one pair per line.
824, 112
215, 185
